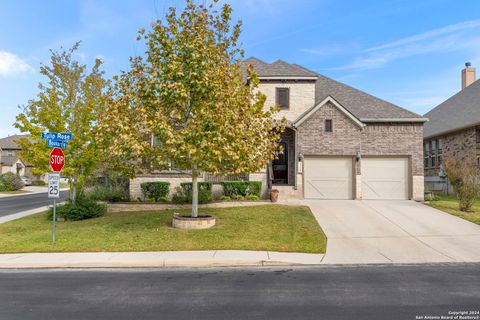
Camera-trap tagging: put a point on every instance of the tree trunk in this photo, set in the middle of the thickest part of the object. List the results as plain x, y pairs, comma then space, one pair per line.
194, 193
73, 191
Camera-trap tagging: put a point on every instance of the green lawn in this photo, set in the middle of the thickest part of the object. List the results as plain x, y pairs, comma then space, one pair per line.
449, 204
266, 227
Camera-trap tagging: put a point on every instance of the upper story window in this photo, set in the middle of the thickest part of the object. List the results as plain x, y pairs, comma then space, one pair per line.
328, 125
282, 97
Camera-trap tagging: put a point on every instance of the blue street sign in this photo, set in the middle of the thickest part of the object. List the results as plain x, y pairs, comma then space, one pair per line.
56, 136
56, 144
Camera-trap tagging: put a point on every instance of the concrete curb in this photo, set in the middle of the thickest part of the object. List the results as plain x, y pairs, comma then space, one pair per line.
22, 214
166, 259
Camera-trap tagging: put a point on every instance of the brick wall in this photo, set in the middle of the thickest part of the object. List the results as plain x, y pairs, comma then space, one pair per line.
344, 140
461, 145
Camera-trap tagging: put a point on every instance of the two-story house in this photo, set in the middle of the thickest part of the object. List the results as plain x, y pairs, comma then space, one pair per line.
340, 143
9, 160
453, 130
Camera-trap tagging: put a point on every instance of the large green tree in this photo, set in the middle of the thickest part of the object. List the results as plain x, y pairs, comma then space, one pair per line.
69, 100
190, 94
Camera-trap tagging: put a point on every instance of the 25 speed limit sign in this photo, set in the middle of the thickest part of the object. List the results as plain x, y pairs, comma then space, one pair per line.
54, 185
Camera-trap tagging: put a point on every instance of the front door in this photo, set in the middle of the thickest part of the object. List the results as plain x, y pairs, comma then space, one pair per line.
280, 166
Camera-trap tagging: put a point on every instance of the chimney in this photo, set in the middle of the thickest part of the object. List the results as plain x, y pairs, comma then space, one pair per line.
468, 75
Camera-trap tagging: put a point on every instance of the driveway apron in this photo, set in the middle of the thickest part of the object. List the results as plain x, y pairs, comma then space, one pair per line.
381, 231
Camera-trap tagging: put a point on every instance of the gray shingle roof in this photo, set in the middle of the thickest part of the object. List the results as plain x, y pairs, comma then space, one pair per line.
9, 142
460, 111
278, 68
362, 105
8, 160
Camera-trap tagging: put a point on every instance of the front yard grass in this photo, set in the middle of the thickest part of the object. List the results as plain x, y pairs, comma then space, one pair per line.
265, 227
449, 204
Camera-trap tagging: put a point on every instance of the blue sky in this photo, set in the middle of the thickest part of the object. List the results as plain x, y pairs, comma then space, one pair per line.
406, 52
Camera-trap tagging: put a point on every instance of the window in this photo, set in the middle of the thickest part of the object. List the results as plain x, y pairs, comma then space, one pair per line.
282, 98
426, 153
328, 125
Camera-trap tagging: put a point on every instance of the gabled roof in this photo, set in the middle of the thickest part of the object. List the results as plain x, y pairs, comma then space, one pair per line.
278, 68
9, 160
363, 106
460, 111
314, 109
10, 142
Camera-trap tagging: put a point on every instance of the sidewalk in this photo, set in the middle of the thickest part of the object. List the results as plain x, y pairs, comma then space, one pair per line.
165, 259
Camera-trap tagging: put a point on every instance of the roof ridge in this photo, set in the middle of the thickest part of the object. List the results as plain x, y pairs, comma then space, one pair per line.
468, 88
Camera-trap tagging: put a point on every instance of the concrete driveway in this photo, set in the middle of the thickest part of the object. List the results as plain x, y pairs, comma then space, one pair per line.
377, 231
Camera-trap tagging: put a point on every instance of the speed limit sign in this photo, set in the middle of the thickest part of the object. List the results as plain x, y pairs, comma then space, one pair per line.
54, 185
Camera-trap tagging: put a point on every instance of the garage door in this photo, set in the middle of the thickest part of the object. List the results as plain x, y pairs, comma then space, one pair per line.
384, 178
328, 178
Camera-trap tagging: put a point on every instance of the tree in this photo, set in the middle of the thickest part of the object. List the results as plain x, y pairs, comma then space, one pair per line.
464, 177
69, 101
190, 96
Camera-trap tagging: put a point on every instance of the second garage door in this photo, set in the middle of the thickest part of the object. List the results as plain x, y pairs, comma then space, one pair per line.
384, 178
328, 178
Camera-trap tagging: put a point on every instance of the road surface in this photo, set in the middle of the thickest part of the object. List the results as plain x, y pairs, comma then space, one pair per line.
360, 292
15, 204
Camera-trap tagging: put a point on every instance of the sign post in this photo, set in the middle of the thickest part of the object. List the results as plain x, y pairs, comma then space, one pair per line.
57, 141
54, 192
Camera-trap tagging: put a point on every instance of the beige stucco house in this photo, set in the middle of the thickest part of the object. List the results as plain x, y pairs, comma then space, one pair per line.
9, 160
340, 143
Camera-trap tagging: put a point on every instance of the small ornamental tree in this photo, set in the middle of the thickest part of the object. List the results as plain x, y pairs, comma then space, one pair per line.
70, 100
464, 176
188, 103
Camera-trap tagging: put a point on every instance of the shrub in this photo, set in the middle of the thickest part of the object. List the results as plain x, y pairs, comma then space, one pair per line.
111, 194
38, 183
10, 182
82, 209
155, 190
226, 198
238, 198
242, 188
183, 193
464, 177
252, 197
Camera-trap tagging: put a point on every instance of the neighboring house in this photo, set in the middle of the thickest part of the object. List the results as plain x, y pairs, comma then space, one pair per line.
9, 160
340, 143
453, 130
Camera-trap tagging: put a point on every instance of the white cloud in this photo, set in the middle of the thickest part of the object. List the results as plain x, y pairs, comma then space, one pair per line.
449, 38
11, 64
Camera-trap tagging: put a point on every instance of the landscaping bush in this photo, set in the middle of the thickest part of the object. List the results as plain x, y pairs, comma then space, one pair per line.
225, 198
242, 188
108, 193
155, 190
183, 193
464, 177
82, 209
38, 183
10, 182
252, 198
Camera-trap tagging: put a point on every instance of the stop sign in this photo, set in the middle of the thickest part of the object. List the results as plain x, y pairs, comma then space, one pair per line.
57, 159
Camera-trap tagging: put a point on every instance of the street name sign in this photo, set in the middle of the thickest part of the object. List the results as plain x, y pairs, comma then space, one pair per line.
57, 160
57, 136
54, 185
56, 144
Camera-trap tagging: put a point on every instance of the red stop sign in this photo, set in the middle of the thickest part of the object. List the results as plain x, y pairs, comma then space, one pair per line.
57, 160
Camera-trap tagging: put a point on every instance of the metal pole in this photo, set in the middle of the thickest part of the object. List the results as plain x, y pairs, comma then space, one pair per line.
54, 219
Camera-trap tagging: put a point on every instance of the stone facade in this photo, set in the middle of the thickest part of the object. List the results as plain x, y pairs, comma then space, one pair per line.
302, 96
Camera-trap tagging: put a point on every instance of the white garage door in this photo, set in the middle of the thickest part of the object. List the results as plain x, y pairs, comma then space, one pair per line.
328, 178
384, 178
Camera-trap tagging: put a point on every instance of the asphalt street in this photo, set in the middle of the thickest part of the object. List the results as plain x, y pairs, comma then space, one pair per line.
360, 292
15, 204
